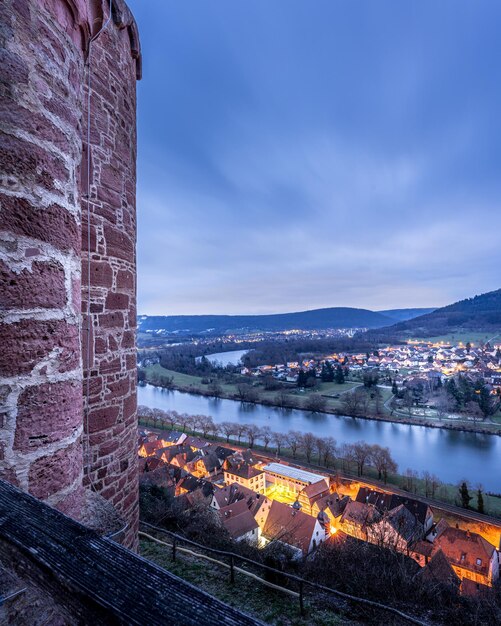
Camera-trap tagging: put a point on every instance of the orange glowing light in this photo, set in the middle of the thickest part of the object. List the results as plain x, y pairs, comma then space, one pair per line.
333, 531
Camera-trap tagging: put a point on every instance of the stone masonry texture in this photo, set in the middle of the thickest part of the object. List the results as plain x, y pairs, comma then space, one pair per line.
68, 413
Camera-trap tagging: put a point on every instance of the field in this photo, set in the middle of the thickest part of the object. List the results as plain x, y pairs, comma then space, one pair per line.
463, 337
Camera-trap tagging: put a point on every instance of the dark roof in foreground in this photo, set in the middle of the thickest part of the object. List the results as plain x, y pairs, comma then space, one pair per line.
98, 579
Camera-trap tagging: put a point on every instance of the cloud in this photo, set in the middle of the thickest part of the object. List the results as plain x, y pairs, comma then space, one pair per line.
300, 157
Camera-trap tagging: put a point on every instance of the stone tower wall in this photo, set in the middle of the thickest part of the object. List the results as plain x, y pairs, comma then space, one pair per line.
43, 404
111, 422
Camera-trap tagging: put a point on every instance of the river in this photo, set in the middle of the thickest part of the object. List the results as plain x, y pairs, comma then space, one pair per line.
451, 455
233, 357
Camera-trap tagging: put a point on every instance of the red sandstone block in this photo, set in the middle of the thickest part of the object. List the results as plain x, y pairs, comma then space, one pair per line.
42, 287
100, 346
117, 389
125, 280
111, 320
128, 340
54, 225
102, 418
31, 163
108, 448
14, 68
26, 343
118, 243
130, 361
130, 405
117, 301
101, 274
112, 344
47, 413
49, 474
112, 366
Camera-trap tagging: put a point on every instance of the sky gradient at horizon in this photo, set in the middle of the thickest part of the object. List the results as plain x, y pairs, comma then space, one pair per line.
296, 155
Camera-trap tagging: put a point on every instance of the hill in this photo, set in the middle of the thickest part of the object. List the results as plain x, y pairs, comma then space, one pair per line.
402, 315
318, 319
477, 314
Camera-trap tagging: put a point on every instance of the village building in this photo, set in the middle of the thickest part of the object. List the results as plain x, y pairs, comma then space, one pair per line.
471, 556
284, 523
397, 529
247, 475
291, 481
384, 501
357, 518
239, 521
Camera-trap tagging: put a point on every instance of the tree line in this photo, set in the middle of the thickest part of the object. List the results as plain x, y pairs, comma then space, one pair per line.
323, 451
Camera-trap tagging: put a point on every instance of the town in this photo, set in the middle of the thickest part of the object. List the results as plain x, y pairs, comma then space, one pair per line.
259, 499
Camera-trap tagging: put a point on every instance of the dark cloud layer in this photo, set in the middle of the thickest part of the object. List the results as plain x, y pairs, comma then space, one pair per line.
297, 154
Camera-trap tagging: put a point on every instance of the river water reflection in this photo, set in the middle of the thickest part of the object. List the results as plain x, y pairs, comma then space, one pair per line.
451, 455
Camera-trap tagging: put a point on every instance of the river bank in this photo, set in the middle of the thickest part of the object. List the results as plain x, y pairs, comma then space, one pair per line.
296, 403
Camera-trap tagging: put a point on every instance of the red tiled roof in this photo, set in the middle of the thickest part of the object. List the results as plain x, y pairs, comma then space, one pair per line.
465, 549
290, 526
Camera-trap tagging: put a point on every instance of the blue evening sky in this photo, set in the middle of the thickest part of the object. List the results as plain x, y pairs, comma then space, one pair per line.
297, 154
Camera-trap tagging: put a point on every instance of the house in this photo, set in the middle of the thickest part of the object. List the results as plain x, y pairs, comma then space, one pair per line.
287, 524
232, 493
247, 475
148, 447
239, 521
397, 529
357, 517
333, 505
311, 493
471, 556
384, 501
190, 483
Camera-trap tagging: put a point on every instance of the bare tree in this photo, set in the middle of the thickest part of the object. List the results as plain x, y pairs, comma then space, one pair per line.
253, 432
307, 444
239, 431
282, 399
279, 440
144, 413
315, 403
157, 415
382, 460
329, 450
265, 436
293, 441
444, 403
361, 454
184, 420
228, 429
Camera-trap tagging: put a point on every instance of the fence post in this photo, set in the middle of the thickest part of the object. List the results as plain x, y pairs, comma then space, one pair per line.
173, 548
232, 570
301, 597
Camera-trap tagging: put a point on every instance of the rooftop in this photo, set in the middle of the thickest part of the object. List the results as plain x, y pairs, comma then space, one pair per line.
95, 579
293, 472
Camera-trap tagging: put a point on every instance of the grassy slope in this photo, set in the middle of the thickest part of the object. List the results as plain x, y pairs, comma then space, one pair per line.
273, 607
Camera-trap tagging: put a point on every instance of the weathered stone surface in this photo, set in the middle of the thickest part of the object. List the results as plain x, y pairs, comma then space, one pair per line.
41, 286
28, 342
54, 225
48, 413
51, 473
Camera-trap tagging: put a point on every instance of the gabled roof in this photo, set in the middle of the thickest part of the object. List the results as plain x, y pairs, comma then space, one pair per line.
386, 501
314, 491
238, 523
244, 470
232, 493
360, 513
289, 526
466, 549
403, 522
439, 570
